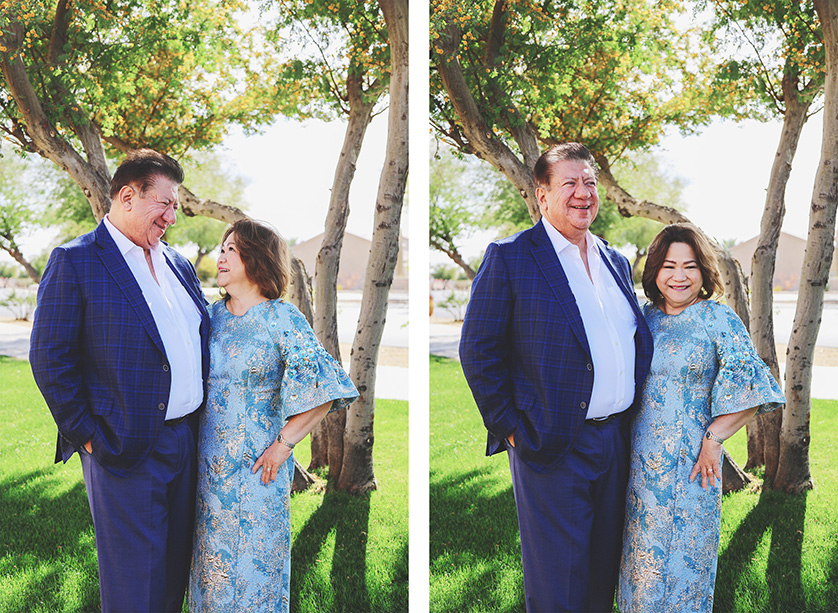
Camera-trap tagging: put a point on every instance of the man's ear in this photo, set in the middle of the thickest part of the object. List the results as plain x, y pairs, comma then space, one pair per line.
125, 197
540, 195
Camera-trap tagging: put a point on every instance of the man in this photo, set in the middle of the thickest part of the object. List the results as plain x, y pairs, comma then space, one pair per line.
119, 351
555, 348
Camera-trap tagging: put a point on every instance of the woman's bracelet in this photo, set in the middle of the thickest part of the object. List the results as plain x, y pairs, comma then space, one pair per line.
281, 439
713, 437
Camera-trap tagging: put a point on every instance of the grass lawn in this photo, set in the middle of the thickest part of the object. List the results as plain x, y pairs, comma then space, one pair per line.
349, 553
777, 553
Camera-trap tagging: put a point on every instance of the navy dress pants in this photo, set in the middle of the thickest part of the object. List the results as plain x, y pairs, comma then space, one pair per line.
143, 524
571, 522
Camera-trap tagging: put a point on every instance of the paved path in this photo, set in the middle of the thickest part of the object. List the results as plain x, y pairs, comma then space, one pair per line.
390, 382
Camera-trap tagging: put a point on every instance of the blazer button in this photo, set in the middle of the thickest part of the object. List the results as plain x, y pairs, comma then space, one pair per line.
166, 368
161, 406
590, 366
583, 405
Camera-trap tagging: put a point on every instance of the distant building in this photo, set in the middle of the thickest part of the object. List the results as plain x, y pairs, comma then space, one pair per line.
353, 260
789, 262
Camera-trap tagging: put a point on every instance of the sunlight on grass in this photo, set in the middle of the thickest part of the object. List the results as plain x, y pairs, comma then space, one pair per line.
349, 553
777, 552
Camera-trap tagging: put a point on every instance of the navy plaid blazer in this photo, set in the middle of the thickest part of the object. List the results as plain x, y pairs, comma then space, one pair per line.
524, 351
97, 355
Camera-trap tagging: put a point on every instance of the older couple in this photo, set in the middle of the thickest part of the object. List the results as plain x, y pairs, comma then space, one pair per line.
160, 398
612, 417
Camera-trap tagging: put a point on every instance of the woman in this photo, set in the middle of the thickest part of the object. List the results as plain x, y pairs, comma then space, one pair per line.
270, 383
706, 381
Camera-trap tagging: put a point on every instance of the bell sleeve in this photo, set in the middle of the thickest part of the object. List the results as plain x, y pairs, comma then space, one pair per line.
743, 380
311, 376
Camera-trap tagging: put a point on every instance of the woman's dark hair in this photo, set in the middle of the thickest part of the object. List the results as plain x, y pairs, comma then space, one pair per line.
265, 255
142, 167
705, 257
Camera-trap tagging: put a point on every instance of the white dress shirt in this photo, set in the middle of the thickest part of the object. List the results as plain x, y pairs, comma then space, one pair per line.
609, 322
177, 318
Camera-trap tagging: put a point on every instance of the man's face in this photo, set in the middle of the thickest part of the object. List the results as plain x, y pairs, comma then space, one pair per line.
571, 201
150, 214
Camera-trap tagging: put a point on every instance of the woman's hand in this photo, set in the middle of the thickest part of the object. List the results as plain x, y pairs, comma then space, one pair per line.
271, 459
708, 463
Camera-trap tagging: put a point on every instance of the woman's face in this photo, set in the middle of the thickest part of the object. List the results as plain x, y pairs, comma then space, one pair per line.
679, 279
230, 266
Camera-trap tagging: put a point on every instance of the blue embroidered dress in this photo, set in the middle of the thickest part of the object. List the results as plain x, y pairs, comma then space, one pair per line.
266, 366
704, 365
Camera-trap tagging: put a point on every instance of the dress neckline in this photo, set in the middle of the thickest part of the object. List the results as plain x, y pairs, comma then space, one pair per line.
684, 310
246, 313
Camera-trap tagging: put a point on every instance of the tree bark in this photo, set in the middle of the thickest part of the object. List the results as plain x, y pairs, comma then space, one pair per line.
94, 180
793, 473
483, 142
357, 474
764, 431
327, 436
455, 256
732, 277
13, 250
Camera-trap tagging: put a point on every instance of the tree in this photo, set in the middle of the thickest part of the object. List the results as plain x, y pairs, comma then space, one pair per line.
344, 74
21, 204
357, 474
777, 50
510, 78
453, 212
646, 175
793, 474
210, 170
73, 84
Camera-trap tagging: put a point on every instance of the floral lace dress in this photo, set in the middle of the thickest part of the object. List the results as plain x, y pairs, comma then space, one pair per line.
704, 366
266, 366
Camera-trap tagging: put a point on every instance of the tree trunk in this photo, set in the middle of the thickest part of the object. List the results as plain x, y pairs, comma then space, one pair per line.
732, 277
793, 474
327, 436
733, 477
92, 176
455, 256
13, 250
482, 142
356, 474
764, 431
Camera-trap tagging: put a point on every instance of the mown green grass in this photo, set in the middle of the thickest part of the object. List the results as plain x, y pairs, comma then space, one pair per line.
349, 553
777, 553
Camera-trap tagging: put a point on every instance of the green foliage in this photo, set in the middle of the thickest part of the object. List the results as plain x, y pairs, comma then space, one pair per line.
777, 553
348, 553
212, 174
326, 52
760, 44
647, 176
455, 303
609, 74
22, 305
23, 196
167, 74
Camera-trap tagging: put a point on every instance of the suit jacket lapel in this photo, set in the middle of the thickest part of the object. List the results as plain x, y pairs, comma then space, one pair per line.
198, 299
547, 260
629, 293
118, 269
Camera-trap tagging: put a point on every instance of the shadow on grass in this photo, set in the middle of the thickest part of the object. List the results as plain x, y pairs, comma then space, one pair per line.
783, 517
348, 516
42, 545
474, 538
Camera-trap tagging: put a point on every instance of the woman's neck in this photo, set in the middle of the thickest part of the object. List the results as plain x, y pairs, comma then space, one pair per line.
242, 298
